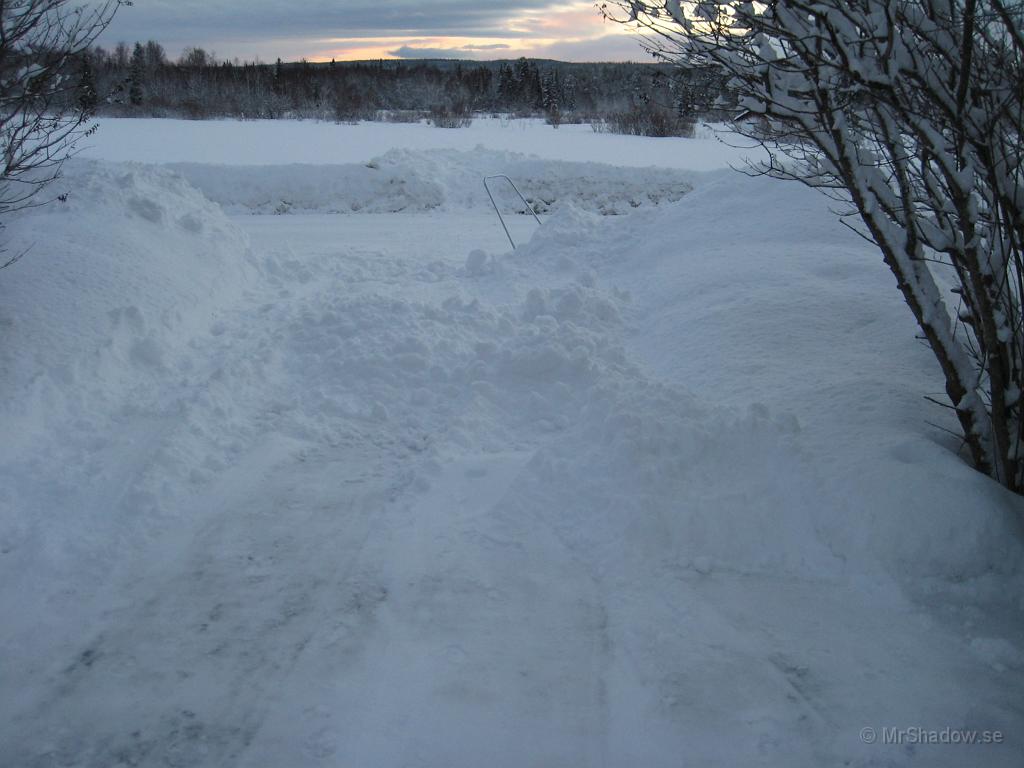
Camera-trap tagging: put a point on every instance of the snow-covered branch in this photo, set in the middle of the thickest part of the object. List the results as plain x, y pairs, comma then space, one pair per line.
911, 111
41, 42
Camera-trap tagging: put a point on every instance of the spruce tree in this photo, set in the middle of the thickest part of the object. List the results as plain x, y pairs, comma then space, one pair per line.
136, 75
88, 98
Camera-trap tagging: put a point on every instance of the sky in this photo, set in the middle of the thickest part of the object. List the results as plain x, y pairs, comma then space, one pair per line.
319, 30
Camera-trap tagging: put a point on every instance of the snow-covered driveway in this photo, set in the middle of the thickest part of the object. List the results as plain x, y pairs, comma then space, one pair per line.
407, 504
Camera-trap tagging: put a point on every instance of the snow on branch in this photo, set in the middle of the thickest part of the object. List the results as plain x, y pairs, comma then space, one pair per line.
910, 112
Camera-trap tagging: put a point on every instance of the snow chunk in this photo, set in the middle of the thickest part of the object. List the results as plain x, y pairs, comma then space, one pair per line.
478, 263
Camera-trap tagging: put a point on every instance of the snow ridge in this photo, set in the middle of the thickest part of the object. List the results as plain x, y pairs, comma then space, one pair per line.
441, 179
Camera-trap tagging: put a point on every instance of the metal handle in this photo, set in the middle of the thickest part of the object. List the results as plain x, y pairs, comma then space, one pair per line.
501, 218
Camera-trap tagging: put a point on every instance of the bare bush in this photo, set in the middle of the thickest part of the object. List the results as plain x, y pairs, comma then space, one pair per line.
649, 120
455, 115
44, 105
400, 115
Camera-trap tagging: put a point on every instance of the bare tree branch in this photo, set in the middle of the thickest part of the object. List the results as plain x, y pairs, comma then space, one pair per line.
40, 41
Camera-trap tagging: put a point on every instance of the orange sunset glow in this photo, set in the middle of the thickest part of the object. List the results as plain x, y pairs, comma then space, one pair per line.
570, 31
548, 33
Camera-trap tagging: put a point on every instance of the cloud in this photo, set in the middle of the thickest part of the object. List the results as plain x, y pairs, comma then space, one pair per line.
370, 29
412, 52
458, 52
244, 20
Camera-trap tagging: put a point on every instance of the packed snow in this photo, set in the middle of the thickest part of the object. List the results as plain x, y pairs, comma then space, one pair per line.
656, 488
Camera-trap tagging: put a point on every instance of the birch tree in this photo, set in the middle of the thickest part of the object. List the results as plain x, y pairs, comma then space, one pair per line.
909, 112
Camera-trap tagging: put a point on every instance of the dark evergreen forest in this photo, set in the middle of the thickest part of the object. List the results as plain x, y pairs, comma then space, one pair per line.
646, 99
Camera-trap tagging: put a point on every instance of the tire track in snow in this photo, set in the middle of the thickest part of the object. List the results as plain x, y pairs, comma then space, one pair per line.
427, 528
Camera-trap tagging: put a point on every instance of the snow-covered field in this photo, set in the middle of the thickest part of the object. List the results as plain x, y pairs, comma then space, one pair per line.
656, 489
277, 142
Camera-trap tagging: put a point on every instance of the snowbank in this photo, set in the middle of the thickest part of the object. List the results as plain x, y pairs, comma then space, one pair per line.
418, 181
115, 283
817, 456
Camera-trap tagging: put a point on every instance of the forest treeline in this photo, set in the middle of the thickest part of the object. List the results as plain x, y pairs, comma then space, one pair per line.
644, 99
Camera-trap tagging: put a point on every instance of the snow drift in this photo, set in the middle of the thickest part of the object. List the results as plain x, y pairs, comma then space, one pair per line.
817, 455
115, 282
418, 181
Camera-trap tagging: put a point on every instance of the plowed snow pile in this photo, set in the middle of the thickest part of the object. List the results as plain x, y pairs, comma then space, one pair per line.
406, 181
654, 489
116, 279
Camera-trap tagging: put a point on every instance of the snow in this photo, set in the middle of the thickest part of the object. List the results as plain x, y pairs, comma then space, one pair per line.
319, 490
407, 181
94, 308
290, 142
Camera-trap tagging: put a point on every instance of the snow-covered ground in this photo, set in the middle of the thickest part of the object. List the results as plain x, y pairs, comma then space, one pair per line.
286, 142
655, 489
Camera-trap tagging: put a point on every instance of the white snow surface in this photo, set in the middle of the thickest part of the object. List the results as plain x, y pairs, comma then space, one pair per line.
655, 489
114, 280
290, 142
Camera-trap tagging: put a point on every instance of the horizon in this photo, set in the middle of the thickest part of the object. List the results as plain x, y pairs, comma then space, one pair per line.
359, 30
